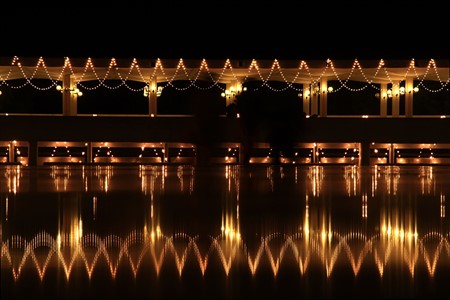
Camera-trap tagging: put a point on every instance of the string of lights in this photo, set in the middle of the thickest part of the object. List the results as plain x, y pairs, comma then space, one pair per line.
123, 76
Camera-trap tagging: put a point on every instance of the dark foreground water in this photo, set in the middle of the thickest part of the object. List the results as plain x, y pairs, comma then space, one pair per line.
225, 232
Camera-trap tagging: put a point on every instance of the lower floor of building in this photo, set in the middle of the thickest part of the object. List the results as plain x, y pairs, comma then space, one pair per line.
110, 152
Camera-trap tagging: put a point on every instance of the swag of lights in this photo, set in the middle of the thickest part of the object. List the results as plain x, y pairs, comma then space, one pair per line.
292, 77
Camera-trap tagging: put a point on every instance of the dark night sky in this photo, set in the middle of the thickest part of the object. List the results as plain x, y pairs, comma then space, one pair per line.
227, 29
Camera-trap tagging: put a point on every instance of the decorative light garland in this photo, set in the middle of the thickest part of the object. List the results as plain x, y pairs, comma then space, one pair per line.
182, 70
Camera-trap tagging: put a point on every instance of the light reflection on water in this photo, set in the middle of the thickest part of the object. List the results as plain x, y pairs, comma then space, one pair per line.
224, 232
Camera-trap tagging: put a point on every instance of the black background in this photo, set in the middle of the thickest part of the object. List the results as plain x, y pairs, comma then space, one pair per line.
231, 29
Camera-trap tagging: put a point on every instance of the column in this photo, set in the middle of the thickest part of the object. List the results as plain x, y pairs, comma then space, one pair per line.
306, 99
70, 98
89, 152
323, 96
11, 152
166, 153
409, 86
364, 154
391, 159
383, 100
315, 156
241, 154
395, 100
314, 99
152, 98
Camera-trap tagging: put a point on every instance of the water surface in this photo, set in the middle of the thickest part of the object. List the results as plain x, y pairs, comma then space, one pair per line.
224, 232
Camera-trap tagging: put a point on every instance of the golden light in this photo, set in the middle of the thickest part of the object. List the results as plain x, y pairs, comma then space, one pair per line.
73, 90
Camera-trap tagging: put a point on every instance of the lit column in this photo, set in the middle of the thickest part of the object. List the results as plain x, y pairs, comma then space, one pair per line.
241, 154
70, 96
306, 99
395, 100
383, 100
323, 96
11, 152
89, 152
315, 154
391, 159
152, 98
409, 85
66, 95
166, 153
364, 154
314, 99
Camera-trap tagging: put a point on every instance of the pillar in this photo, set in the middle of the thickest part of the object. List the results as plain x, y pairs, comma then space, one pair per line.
391, 159
364, 154
166, 153
89, 153
70, 99
409, 85
383, 100
314, 100
306, 99
323, 96
315, 157
395, 100
11, 152
241, 154
152, 98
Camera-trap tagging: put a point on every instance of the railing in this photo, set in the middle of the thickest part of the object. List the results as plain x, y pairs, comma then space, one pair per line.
221, 115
